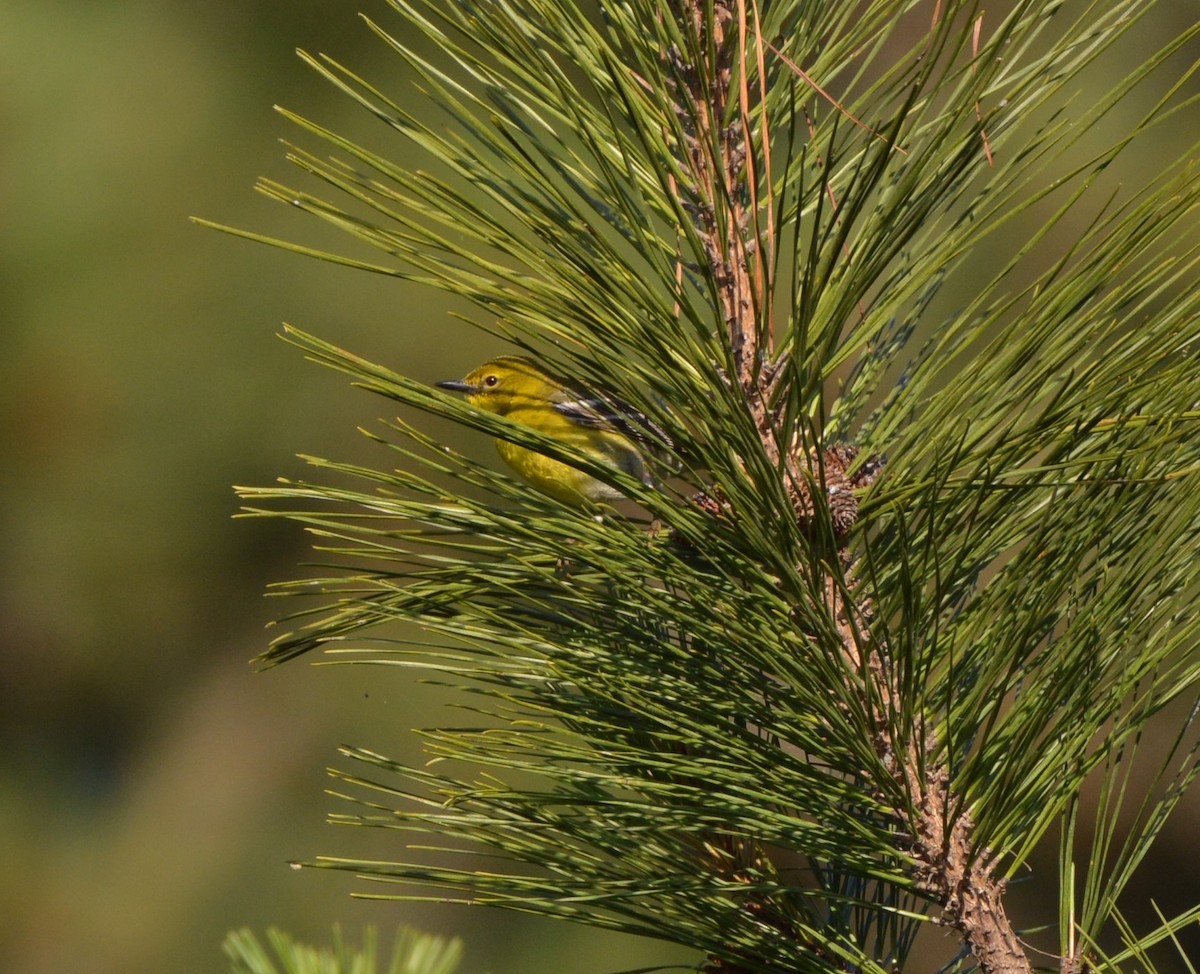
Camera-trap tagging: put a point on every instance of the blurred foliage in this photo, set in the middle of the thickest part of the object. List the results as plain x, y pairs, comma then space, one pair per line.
412, 953
151, 786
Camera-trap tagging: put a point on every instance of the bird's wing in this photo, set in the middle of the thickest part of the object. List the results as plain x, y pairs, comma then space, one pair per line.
605, 412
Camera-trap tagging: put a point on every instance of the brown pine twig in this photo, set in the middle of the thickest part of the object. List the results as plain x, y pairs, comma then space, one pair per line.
949, 866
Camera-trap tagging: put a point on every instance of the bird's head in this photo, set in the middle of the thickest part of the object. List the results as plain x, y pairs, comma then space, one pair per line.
504, 384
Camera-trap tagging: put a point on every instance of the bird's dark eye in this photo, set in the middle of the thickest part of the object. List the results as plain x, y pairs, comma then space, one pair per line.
491, 380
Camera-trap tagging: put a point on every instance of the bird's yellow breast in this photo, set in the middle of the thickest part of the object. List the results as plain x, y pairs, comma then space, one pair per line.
552, 477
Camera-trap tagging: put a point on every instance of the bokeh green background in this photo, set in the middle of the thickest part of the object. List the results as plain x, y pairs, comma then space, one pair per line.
152, 785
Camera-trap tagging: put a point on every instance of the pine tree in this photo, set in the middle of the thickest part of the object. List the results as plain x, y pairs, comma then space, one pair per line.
922, 573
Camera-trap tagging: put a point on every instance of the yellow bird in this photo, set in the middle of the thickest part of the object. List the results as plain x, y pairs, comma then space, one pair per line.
596, 423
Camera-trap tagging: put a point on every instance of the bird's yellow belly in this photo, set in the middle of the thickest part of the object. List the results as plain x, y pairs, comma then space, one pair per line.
554, 478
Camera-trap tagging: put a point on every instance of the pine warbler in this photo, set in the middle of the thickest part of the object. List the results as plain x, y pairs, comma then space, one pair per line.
595, 423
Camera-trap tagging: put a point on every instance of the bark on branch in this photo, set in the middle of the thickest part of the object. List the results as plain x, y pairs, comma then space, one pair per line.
723, 166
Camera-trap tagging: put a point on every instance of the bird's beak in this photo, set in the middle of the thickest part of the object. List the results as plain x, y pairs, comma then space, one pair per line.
457, 385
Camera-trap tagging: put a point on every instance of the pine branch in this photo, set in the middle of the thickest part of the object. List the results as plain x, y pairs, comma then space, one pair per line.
830, 698
947, 864
713, 85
